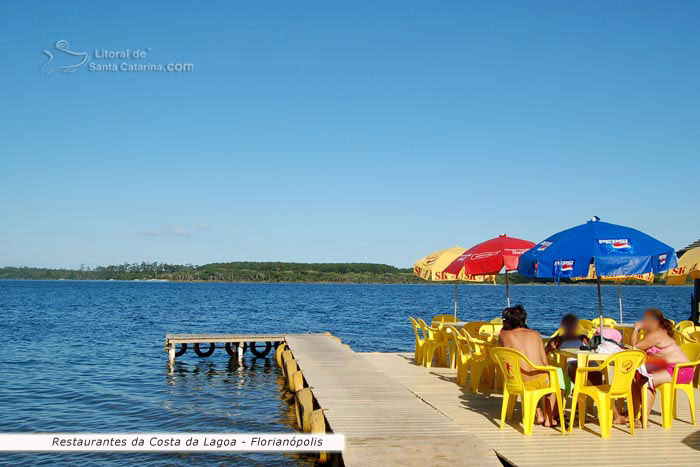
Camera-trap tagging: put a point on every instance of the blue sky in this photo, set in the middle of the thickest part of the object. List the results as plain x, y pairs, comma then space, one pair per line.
363, 131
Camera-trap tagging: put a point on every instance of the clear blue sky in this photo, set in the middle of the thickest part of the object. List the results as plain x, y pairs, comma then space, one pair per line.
361, 131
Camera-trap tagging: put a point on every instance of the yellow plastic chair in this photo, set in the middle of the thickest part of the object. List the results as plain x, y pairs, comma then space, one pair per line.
684, 336
481, 363
497, 320
418, 355
509, 361
606, 322
464, 356
624, 364
450, 337
490, 329
625, 331
440, 319
689, 330
586, 326
668, 390
694, 337
683, 324
472, 328
434, 342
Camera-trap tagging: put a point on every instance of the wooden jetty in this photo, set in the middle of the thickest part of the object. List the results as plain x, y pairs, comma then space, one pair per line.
383, 423
480, 415
235, 344
393, 412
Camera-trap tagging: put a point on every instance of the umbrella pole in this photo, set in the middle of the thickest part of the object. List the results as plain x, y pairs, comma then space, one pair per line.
619, 299
600, 308
507, 290
456, 284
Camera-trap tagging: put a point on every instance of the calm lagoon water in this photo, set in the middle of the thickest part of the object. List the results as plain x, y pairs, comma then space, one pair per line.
88, 356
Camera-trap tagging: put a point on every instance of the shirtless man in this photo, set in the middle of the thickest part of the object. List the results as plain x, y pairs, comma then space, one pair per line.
662, 353
516, 335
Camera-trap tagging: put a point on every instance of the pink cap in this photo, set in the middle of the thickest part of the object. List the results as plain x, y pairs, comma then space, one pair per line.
610, 333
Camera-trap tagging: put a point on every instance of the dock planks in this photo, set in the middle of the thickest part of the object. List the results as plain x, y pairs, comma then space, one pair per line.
383, 422
480, 415
220, 338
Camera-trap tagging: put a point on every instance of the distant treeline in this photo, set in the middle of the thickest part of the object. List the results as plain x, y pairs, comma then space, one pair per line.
243, 271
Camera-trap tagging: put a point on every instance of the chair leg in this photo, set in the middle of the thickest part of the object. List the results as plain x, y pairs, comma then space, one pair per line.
604, 410
574, 401
511, 405
529, 406
560, 404
582, 401
691, 403
666, 407
429, 351
475, 377
645, 404
688, 390
504, 407
630, 413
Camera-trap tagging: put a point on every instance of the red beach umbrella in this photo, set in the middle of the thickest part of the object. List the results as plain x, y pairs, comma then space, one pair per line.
490, 257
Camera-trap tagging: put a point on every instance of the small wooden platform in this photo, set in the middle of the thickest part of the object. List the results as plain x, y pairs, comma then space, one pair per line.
383, 422
239, 340
480, 414
220, 338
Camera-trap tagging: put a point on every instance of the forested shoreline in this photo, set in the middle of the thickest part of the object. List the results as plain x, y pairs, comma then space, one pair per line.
244, 271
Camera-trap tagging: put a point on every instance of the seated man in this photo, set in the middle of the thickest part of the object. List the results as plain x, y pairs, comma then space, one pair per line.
516, 335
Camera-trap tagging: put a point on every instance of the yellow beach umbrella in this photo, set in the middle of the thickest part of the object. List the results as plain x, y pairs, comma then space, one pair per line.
688, 265
432, 268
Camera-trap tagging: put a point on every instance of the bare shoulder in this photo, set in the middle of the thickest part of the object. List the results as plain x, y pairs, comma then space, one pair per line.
504, 335
656, 336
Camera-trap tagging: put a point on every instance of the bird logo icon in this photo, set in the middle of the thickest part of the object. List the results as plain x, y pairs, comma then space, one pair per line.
59, 54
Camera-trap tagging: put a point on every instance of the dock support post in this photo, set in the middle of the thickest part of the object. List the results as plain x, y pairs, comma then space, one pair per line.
239, 351
171, 354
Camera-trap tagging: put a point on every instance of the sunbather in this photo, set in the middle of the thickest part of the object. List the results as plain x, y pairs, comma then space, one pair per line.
663, 354
516, 335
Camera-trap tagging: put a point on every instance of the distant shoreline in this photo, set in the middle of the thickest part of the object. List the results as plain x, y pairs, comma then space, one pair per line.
422, 283
251, 272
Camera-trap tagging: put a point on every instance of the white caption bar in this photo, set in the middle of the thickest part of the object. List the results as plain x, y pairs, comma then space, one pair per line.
44, 442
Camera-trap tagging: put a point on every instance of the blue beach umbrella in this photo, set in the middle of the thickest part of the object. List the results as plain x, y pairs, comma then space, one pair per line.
597, 250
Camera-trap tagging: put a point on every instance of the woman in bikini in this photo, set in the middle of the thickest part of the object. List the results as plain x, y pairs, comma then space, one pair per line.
662, 354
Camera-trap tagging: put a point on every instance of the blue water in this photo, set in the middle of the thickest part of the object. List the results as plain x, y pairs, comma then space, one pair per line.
88, 356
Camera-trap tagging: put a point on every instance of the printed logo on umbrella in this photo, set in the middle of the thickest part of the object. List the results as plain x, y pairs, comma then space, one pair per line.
543, 246
485, 254
430, 260
662, 260
617, 245
565, 266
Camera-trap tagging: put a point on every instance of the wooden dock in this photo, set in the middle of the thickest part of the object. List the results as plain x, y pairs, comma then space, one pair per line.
480, 415
383, 422
235, 344
393, 412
